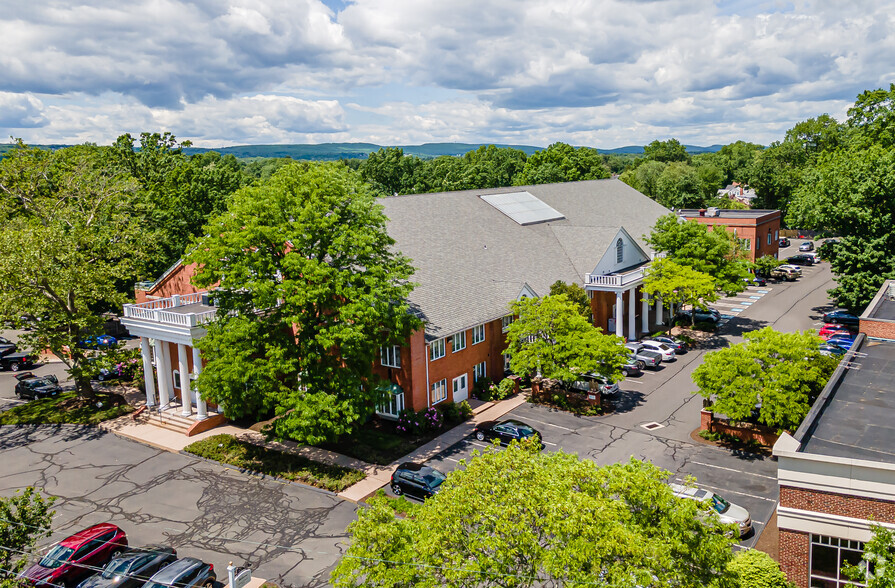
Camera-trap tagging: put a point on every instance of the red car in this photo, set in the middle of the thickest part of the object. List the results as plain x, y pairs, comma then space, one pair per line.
76, 557
830, 329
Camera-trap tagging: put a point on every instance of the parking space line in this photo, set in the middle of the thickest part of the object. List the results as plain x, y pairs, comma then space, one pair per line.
477, 444
548, 443
452, 459
633, 382
709, 465
729, 491
552, 425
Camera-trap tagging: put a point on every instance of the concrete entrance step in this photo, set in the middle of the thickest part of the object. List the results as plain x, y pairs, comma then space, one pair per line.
168, 420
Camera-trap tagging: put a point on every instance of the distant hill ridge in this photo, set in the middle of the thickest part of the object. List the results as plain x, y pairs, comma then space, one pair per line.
335, 151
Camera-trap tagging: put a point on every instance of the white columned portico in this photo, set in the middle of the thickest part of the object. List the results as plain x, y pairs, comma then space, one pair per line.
184, 369
619, 314
162, 368
644, 314
632, 314
660, 306
201, 407
148, 376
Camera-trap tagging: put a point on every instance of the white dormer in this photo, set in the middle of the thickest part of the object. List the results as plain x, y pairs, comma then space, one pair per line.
623, 253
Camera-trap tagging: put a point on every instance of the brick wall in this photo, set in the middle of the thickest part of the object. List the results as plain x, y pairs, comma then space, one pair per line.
760, 434
177, 282
795, 548
882, 511
878, 328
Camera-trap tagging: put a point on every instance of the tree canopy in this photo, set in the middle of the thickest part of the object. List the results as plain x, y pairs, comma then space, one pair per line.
666, 151
524, 518
782, 372
756, 569
25, 518
550, 337
879, 556
576, 295
679, 284
309, 288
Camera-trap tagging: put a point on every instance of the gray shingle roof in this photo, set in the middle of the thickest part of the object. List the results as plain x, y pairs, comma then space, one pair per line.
471, 260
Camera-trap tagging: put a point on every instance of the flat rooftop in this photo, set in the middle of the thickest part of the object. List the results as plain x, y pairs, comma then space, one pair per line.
882, 307
885, 310
858, 421
726, 213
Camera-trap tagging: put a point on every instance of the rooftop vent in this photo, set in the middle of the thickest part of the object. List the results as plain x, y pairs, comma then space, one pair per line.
713, 211
522, 207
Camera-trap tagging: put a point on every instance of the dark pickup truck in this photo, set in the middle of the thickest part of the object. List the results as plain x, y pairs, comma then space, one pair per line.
15, 361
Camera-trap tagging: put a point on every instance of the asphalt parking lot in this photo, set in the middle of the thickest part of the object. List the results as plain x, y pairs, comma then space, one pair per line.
655, 414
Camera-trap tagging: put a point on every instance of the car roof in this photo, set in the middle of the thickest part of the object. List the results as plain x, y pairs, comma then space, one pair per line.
176, 569
516, 423
88, 534
411, 466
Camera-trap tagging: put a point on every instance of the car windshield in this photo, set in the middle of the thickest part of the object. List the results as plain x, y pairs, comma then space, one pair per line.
56, 557
434, 478
525, 430
719, 504
116, 567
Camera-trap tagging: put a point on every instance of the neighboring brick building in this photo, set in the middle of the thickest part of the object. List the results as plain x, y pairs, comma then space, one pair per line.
474, 252
837, 471
758, 229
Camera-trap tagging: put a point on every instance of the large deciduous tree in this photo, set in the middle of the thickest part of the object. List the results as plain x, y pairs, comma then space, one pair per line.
756, 569
309, 288
71, 242
679, 284
25, 518
523, 518
879, 556
666, 151
562, 163
783, 372
550, 337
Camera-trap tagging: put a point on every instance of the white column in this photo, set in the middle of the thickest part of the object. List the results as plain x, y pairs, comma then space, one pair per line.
201, 407
644, 314
660, 306
148, 376
619, 314
632, 314
163, 369
184, 368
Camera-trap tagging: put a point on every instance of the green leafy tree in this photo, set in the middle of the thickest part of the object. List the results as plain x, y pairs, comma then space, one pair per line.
492, 167
784, 372
756, 569
735, 160
25, 518
69, 239
562, 163
873, 117
666, 151
765, 264
679, 284
389, 172
709, 250
679, 186
879, 555
309, 288
526, 518
645, 178
550, 337
576, 295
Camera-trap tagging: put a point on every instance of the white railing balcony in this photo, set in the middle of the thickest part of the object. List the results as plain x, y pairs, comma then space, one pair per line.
188, 310
615, 280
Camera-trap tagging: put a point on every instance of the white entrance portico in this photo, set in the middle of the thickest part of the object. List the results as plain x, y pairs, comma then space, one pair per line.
169, 326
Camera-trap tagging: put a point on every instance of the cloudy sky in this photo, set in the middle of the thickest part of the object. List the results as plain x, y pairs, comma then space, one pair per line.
604, 73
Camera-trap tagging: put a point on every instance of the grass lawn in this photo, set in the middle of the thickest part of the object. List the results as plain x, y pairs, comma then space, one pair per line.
228, 449
67, 408
377, 442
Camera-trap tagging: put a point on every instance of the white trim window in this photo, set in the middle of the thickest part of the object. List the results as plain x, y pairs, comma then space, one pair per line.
478, 334
439, 391
458, 342
176, 377
393, 406
826, 559
506, 321
479, 371
436, 349
769, 236
390, 356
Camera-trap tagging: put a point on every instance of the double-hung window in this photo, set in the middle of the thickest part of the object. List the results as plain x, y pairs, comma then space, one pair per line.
478, 334
479, 371
506, 321
392, 406
439, 391
436, 349
458, 342
391, 356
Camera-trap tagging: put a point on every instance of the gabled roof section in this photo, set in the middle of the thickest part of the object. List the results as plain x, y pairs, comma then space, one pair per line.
523, 207
633, 254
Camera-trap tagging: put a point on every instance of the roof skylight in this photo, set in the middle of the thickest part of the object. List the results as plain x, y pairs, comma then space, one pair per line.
523, 207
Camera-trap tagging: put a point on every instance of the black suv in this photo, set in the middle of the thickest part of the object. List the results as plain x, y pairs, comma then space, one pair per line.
31, 386
417, 480
184, 573
800, 259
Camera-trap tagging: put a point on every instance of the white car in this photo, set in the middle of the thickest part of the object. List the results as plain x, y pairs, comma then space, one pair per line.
605, 385
667, 352
727, 512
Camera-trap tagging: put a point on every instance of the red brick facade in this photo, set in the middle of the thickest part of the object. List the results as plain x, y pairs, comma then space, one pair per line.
881, 511
795, 554
179, 281
762, 231
878, 328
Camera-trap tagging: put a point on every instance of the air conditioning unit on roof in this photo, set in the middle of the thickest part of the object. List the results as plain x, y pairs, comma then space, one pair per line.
713, 211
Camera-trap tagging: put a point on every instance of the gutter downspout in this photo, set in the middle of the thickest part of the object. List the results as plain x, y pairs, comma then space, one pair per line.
426, 347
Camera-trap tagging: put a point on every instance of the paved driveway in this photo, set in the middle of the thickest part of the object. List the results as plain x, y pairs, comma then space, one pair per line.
288, 533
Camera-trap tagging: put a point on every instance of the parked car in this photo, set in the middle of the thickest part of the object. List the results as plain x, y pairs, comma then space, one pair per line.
702, 316
649, 359
97, 342
806, 246
783, 242
831, 349
132, 568
786, 273
30, 386
792, 267
184, 573
844, 341
70, 560
727, 512
15, 361
831, 329
417, 480
632, 367
662, 349
676, 344
505, 431
800, 259
843, 317
756, 281
591, 381
7, 346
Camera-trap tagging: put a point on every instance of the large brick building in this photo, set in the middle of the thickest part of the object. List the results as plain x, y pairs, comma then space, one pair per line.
837, 471
758, 230
474, 252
